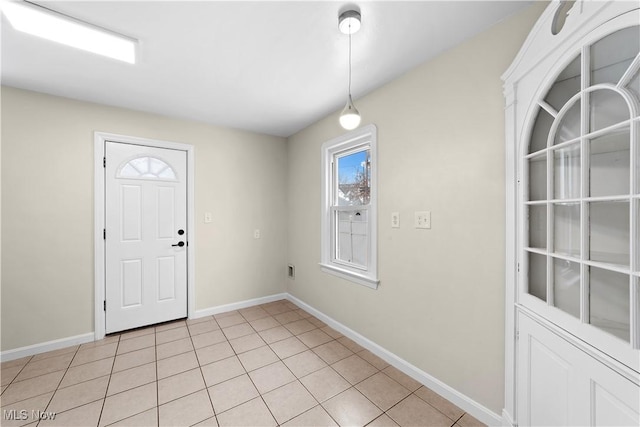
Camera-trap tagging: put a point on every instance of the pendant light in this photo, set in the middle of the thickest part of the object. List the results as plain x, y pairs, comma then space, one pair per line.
349, 23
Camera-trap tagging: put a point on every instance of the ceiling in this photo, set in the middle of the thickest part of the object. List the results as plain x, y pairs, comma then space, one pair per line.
271, 67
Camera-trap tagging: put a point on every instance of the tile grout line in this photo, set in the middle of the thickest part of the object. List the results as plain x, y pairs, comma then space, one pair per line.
251, 379
17, 374
155, 352
294, 375
328, 365
204, 381
133, 388
352, 386
106, 392
104, 401
75, 353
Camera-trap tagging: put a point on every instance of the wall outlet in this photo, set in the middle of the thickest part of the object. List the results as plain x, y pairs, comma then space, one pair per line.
208, 217
422, 219
395, 219
256, 233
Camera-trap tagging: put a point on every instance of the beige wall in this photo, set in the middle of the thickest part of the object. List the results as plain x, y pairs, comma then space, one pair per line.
47, 211
440, 148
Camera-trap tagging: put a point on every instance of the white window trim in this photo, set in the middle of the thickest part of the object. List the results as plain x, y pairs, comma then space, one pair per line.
366, 135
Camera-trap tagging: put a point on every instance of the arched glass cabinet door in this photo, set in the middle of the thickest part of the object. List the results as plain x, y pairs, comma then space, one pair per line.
581, 194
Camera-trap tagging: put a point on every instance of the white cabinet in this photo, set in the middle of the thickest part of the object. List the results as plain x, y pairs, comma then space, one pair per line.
573, 218
559, 384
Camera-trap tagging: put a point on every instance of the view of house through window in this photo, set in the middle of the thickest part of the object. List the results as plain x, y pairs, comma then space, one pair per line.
353, 188
354, 176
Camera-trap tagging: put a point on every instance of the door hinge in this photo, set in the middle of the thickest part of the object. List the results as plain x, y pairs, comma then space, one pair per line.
104, 162
518, 267
104, 305
104, 234
517, 335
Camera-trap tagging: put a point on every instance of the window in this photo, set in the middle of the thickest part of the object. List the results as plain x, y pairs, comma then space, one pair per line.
146, 168
349, 223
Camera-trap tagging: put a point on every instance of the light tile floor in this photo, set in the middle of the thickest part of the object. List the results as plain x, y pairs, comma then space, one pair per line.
266, 365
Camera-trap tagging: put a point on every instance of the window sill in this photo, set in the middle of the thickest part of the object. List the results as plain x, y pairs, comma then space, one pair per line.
360, 279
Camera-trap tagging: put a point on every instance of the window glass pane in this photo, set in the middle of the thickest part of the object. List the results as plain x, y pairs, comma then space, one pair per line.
352, 242
611, 56
636, 241
569, 127
566, 167
354, 178
538, 276
566, 85
146, 168
156, 166
566, 286
607, 108
167, 173
540, 131
636, 159
128, 171
609, 301
634, 85
538, 226
538, 177
610, 161
566, 229
609, 232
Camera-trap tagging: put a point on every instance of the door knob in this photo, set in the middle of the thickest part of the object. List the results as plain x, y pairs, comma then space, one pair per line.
179, 244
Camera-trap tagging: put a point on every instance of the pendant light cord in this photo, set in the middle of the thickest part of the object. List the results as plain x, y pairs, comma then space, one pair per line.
349, 59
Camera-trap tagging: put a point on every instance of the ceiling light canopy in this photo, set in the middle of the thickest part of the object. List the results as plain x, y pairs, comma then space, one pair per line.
349, 23
42, 22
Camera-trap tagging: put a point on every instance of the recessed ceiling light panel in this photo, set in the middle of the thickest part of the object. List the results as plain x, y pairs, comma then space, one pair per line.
42, 22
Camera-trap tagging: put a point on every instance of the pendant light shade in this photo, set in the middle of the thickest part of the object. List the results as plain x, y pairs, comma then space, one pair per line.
349, 23
350, 116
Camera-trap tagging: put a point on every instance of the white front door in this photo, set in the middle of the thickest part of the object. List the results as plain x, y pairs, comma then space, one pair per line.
146, 235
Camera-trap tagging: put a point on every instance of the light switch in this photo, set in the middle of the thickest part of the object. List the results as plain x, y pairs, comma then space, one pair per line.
395, 219
208, 217
422, 219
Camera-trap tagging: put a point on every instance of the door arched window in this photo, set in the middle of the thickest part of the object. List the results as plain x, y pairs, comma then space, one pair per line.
146, 167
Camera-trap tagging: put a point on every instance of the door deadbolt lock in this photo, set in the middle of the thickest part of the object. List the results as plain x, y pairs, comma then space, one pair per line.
180, 232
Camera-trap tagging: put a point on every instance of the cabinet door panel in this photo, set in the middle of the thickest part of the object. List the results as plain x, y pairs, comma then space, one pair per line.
561, 385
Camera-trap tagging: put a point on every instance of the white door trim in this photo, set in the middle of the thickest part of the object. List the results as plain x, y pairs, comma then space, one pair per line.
100, 139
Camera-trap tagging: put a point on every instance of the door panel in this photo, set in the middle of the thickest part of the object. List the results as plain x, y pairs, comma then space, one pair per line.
146, 269
166, 278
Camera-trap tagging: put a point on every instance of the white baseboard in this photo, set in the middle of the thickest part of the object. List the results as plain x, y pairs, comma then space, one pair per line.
30, 350
237, 305
469, 405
